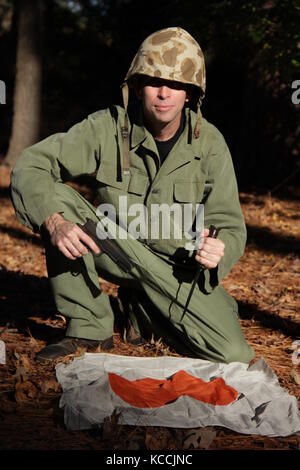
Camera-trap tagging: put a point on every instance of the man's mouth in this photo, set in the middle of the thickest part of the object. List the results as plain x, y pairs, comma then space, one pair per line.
163, 107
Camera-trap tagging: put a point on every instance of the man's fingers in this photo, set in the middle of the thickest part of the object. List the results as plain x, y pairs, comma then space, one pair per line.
212, 249
206, 263
209, 255
88, 241
213, 245
76, 236
66, 252
69, 245
208, 260
82, 249
214, 242
72, 241
211, 252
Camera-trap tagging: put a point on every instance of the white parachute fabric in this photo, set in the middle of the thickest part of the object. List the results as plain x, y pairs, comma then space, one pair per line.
262, 406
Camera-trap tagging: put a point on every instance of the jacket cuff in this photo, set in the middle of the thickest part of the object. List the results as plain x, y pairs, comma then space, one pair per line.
211, 279
40, 212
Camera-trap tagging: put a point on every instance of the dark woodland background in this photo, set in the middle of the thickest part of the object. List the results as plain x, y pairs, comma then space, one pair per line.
63, 59
82, 49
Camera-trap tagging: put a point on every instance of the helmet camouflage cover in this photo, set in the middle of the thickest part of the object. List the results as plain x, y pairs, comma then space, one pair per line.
171, 54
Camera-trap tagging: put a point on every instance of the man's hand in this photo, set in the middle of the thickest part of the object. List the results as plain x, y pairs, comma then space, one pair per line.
211, 252
68, 237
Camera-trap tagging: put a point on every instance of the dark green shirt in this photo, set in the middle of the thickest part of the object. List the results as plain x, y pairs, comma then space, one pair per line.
164, 147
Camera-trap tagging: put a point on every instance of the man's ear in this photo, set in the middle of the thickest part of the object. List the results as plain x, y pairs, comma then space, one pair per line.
138, 87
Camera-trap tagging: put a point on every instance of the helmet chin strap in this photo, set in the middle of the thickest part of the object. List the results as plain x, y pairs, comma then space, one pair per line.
125, 131
198, 125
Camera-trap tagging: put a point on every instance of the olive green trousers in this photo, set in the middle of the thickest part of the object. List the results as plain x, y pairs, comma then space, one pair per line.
157, 293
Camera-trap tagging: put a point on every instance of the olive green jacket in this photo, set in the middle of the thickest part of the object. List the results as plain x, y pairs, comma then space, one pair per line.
195, 171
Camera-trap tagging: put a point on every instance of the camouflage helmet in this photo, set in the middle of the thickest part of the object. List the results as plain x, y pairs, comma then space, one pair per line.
171, 54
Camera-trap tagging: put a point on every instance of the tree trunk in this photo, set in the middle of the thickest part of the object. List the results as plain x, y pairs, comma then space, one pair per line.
27, 94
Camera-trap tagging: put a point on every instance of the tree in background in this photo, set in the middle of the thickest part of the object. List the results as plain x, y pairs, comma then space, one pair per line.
27, 93
251, 49
252, 53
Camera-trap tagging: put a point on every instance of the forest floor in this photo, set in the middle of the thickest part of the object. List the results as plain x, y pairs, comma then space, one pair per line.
265, 283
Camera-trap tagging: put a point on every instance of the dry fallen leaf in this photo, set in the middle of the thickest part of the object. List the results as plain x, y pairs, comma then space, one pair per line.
7, 406
24, 391
199, 438
295, 376
156, 442
108, 288
50, 384
23, 367
110, 425
25, 362
34, 345
4, 176
62, 318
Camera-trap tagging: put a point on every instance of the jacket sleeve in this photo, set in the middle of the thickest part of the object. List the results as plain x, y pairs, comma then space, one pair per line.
222, 209
58, 158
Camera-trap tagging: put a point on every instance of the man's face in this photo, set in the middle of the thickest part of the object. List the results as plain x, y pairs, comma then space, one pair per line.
162, 100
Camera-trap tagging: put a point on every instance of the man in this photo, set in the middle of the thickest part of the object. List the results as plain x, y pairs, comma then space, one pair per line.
157, 151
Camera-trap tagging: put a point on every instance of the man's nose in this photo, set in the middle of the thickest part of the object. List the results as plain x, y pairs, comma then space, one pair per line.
163, 92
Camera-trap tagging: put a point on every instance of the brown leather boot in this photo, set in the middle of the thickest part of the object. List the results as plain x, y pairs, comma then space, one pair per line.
70, 345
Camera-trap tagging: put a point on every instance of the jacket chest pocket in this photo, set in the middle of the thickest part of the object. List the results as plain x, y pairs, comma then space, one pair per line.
189, 195
107, 177
133, 187
138, 184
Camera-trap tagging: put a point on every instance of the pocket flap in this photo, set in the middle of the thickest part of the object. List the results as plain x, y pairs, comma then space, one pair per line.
107, 176
138, 183
135, 183
189, 191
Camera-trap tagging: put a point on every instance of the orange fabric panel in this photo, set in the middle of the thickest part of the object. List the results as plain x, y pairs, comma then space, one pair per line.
152, 393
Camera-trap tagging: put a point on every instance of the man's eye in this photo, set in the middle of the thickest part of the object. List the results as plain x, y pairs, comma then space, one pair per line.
156, 83
178, 86
151, 82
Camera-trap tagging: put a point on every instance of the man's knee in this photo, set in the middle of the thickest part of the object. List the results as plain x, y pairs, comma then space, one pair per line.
238, 352
76, 208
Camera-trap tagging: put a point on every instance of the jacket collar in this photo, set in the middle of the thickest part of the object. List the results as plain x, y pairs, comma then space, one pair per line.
184, 150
